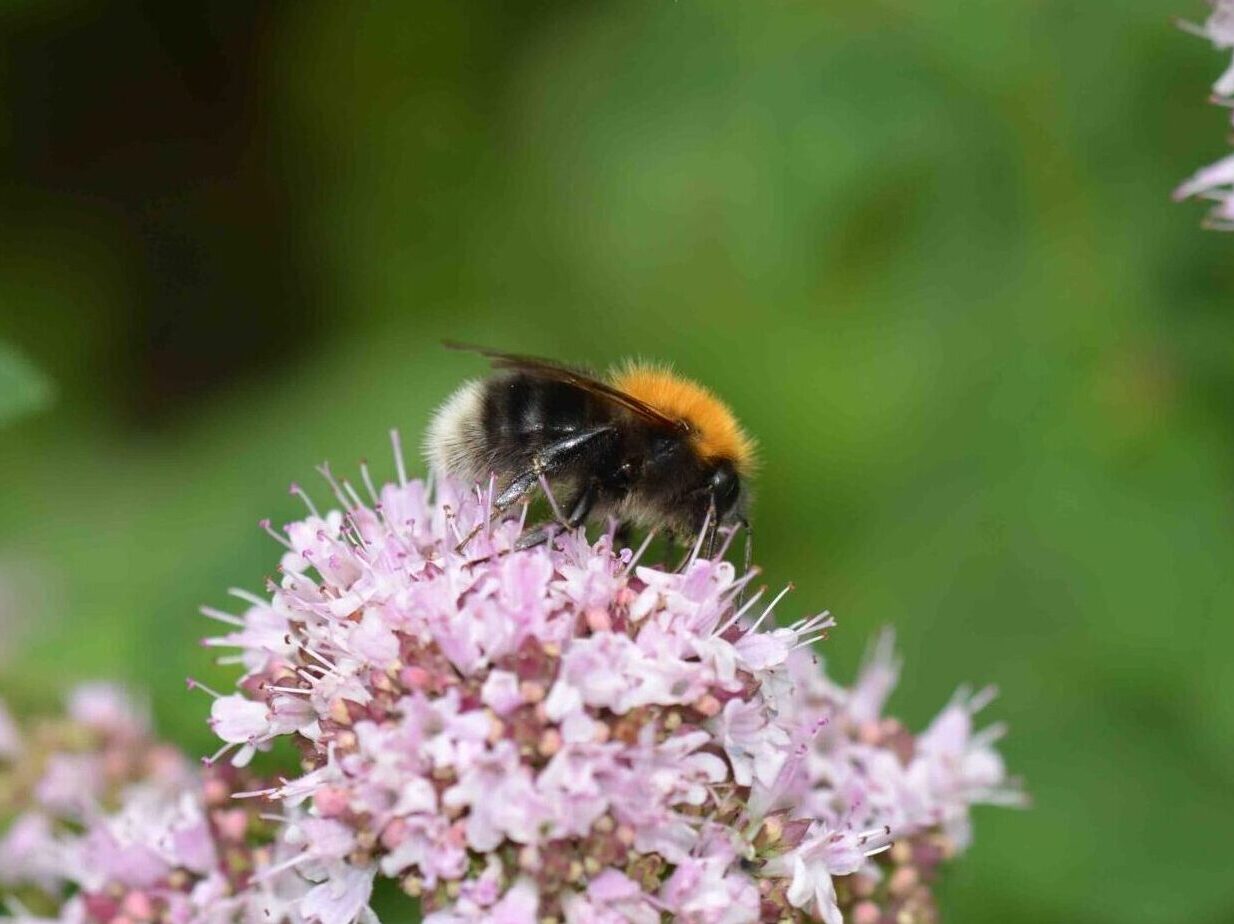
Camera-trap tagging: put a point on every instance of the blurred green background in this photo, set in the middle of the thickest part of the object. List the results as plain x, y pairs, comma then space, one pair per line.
925, 249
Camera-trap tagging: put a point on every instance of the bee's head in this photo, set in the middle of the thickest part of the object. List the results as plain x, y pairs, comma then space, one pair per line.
727, 492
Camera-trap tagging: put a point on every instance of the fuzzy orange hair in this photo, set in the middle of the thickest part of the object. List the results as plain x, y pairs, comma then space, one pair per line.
714, 429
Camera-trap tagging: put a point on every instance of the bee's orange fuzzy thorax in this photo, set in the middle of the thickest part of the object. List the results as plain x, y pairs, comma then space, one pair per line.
715, 430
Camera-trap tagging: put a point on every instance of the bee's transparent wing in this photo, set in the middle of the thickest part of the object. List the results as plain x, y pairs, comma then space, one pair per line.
579, 378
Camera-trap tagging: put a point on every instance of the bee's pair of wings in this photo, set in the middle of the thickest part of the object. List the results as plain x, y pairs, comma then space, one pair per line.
557, 372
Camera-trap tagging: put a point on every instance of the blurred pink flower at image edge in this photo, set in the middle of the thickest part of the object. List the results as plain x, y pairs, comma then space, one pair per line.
1216, 181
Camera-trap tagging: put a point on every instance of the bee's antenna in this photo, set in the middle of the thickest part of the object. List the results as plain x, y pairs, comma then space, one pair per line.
749, 552
710, 528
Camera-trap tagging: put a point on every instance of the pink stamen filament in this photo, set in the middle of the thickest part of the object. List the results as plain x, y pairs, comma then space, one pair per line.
397, 442
219, 615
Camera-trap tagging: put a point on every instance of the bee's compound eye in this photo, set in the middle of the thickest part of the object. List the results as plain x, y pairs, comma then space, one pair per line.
725, 487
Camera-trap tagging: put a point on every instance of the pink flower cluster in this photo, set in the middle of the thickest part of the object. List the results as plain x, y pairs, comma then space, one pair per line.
866, 770
1216, 181
561, 733
105, 825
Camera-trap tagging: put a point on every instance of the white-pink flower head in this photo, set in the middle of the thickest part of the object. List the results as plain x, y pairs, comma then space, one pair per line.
514, 733
513, 730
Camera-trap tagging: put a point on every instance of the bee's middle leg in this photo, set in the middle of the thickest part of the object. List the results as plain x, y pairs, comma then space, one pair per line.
545, 461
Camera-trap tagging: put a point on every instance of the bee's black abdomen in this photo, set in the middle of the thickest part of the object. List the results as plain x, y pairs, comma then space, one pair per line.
522, 414
522, 406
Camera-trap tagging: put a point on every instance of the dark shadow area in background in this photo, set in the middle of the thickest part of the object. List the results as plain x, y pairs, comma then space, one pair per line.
153, 114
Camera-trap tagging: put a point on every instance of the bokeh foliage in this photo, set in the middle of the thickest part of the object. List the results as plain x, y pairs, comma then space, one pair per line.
925, 249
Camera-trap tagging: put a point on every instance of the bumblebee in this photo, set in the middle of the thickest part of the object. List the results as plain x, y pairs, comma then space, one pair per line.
644, 445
